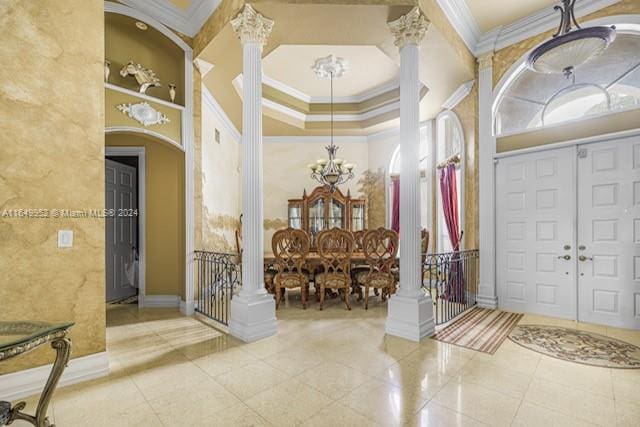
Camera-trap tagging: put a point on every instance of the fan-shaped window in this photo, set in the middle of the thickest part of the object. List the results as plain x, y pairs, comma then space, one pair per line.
606, 84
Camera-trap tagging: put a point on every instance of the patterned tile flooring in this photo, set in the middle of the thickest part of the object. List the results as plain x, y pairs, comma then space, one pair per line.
335, 368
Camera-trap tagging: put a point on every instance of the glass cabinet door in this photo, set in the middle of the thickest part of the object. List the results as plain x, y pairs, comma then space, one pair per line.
316, 218
357, 217
295, 215
336, 215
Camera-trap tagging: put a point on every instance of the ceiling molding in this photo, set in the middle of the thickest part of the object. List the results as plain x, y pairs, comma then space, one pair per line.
315, 139
209, 101
187, 21
461, 18
457, 96
203, 66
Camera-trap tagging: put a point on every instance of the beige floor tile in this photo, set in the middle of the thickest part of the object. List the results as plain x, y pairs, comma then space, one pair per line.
239, 415
333, 379
627, 413
569, 401
251, 379
442, 361
140, 415
498, 378
267, 347
511, 355
289, 403
530, 415
365, 361
294, 360
436, 415
224, 361
167, 379
592, 379
626, 390
420, 378
478, 402
337, 414
385, 403
192, 403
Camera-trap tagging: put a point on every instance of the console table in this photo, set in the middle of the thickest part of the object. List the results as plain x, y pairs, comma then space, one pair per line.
21, 337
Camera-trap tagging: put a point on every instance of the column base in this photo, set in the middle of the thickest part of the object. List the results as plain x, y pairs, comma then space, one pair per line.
187, 308
485, 301
410, 317
253, 317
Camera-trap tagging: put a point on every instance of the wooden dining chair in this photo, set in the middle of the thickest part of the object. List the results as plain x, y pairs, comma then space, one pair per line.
359, 270
380, 249
335, 248
291, 248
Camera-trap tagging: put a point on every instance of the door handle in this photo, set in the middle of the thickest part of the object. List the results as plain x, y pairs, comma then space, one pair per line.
565, 257
585, 258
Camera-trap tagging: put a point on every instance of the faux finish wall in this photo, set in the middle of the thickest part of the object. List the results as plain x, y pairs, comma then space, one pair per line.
52, 157
164, 214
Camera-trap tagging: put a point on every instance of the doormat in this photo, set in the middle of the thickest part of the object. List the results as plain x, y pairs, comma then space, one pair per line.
479, 329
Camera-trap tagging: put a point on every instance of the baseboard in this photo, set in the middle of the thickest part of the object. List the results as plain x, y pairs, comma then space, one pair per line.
17, 385
187, 308
160, 301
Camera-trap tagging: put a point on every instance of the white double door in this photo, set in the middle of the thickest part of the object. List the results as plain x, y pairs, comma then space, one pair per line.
568, 233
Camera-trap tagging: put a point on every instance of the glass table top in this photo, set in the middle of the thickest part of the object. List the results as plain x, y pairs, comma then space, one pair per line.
20, 332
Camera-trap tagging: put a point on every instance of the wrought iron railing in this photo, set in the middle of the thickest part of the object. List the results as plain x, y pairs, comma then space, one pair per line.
452, 280
217, 276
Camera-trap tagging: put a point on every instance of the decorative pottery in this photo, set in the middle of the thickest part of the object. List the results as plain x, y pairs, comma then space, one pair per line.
107, 70
145, 77
172, 92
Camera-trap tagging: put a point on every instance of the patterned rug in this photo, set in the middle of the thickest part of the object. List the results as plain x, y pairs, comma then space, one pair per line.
479, 329
577, 346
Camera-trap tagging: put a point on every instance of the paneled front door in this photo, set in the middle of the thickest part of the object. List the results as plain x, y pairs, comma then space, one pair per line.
535, 199
609, 233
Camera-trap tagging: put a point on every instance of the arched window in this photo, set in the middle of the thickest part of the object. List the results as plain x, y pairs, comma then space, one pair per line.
426, 169
607, 84
449, 150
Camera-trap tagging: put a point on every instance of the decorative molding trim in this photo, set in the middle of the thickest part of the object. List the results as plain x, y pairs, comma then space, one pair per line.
143, 96
17, 385
142, 208
161, 301
460, 16
122, 129
187, 21
209, 101
203, 66
143, 113
187, 308
457, 96
409, 28
389, 133
251, 26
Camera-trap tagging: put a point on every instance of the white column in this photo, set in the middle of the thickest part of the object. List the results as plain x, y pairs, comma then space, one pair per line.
410, 313
487, 296
253, 309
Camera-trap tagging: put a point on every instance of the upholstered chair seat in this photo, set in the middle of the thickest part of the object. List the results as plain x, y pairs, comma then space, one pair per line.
335, 248
291, 248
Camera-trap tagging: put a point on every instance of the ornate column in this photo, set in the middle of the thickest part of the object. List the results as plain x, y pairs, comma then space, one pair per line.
253, 309
487, 296
410, 312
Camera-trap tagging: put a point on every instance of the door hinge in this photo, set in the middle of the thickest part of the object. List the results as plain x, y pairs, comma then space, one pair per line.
582, 153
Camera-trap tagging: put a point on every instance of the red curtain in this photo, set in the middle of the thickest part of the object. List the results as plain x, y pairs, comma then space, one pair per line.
455, 290
449, 191
395, 209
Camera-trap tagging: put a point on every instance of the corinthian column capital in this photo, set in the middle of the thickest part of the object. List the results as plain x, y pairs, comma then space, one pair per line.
251, 26
409, 28
485, 61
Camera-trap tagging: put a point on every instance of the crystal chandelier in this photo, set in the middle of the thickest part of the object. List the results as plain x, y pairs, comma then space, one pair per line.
331, 172
570, 49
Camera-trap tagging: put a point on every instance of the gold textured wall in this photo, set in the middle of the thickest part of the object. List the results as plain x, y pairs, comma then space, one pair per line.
52, 157
505, 58
164, 213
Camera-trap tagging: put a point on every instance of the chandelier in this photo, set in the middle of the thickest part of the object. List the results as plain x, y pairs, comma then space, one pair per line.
332, 171
569, 49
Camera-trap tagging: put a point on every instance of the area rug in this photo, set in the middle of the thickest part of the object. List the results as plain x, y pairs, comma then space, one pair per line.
577, 346
479, 329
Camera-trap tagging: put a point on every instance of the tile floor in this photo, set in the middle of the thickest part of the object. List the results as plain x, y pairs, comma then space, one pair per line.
335, 368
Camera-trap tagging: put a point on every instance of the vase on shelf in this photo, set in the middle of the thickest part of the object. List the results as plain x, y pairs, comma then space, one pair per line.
172, 92
107, 70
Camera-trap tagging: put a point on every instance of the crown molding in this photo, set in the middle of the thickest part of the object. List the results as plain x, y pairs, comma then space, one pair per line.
457, 96
187, 21
209, 101
460, 16
324, 139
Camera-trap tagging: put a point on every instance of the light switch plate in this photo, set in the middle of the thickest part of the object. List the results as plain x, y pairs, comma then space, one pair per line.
65, 238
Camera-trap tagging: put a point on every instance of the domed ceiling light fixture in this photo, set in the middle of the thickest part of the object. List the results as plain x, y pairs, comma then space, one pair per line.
569, 49
331, 172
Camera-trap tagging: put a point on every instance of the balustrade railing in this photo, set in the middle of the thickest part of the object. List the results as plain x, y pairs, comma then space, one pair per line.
452, 280
217, 277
